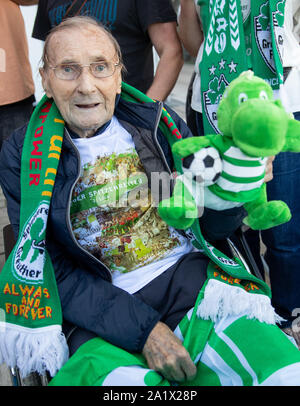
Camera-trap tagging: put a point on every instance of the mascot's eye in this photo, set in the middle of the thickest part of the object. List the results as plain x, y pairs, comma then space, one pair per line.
242, 98
263, 95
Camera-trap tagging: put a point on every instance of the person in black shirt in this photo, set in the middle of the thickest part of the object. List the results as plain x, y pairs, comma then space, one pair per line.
137, 26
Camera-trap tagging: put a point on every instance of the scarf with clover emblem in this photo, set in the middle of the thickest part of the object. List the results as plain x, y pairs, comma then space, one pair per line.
31, 337
238, 37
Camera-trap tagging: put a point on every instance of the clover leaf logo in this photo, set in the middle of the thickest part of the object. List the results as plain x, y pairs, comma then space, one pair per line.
34, 245
264, 19
215, 91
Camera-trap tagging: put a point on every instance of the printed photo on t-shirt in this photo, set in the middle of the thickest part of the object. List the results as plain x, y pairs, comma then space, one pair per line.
113, 215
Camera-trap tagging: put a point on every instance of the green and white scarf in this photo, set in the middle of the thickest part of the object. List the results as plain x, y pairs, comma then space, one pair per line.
31, 317
30, 309
233, 45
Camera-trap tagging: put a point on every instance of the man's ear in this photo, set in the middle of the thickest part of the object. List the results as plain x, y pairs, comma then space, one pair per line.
119, 83
120, 86
45, 81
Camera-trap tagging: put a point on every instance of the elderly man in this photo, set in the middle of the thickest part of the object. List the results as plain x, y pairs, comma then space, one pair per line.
123, 275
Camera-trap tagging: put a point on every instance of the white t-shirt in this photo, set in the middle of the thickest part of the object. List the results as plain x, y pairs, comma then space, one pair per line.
289, 93
113, 215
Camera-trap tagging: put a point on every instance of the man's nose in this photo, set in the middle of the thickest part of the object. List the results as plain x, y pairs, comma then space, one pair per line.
86, 81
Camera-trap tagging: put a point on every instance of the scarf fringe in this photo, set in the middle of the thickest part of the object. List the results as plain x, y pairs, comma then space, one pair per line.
222, 300
44, 349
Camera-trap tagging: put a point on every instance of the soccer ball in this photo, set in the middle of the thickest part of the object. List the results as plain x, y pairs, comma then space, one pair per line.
205, 165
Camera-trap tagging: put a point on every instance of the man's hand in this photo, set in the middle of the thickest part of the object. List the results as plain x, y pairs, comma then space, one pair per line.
269, 169
165, 354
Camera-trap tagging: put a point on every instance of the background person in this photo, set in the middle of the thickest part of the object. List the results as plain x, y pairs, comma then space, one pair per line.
16, 82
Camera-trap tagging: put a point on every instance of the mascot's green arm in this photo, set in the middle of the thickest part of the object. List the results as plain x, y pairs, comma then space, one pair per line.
189, 146
292, 143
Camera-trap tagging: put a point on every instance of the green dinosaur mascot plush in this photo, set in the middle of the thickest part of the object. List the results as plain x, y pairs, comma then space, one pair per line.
253, 127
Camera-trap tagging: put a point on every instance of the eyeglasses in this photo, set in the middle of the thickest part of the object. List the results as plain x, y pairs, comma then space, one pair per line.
72, 71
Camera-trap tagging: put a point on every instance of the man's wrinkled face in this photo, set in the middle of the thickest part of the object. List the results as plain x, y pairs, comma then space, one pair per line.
87, 102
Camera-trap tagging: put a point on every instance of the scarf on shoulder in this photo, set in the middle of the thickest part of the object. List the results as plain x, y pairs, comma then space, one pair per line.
31, 336
235, 42
30, 328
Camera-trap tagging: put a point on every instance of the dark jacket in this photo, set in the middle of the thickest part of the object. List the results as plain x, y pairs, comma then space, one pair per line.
88, 298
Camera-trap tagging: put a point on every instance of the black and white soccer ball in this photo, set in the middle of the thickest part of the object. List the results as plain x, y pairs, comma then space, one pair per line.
204, 166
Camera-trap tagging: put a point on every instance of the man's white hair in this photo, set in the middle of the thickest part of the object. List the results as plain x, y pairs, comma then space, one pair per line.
80, 22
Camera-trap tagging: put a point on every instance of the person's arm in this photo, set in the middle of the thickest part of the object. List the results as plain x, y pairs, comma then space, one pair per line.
165, 40
25, 2
190, 30
42, 24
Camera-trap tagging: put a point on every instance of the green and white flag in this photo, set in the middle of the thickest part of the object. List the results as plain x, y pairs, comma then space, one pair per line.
236, 41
